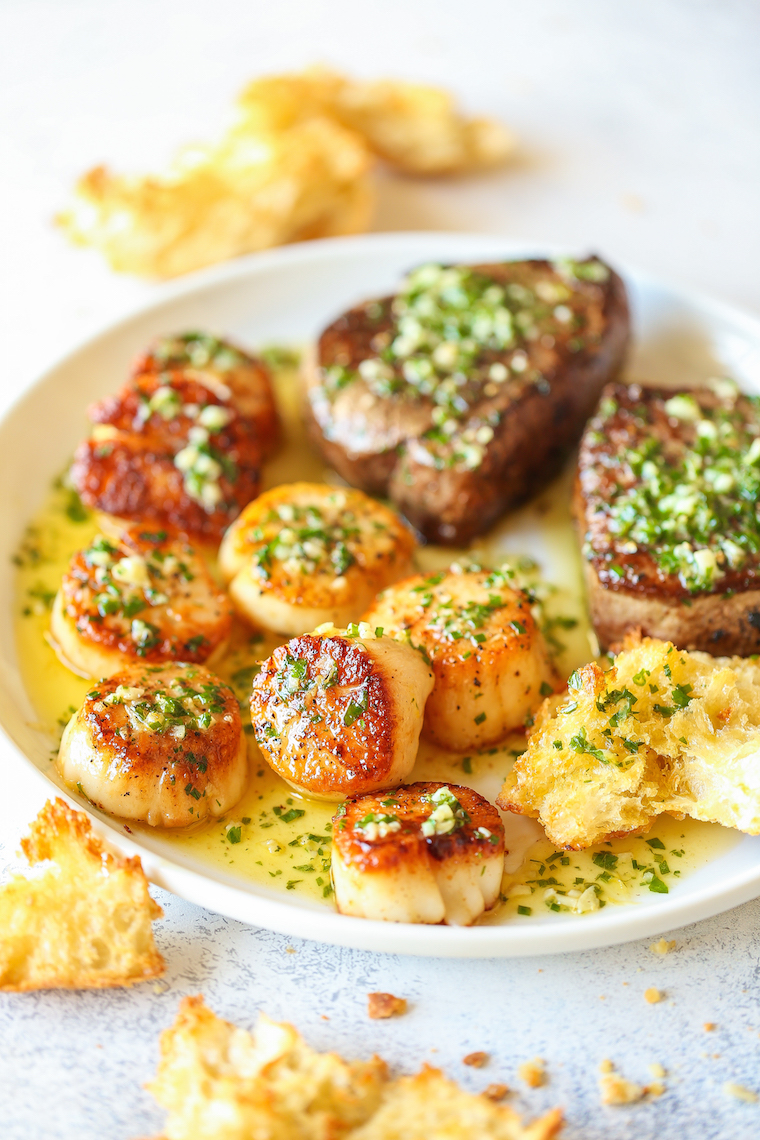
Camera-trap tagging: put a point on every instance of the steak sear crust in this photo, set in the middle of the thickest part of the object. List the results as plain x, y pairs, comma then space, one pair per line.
462, 395
666, 505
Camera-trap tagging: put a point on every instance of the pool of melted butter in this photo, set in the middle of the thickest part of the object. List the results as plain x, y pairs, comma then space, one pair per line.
276, 838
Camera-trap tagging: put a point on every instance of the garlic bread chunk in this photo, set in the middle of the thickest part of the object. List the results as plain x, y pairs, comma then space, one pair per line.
304, 554
339, 714
141, 596
662, 731
425, 852
227, 370
488, 657
160, 744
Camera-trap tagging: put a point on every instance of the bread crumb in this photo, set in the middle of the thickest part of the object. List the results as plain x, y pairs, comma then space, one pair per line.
161, 986
606, 1066
496, 1092
385, 1005
617, 1090
657, 1088
653, 995
740, 1092
656, 1069
324, 1017
477, 1060
663, 946
532, 1072
290, 950
709, 1026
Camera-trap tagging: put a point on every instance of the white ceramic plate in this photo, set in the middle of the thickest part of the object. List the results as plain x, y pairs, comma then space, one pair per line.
287, 296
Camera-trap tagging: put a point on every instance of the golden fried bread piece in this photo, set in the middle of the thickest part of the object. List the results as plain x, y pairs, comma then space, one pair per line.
662, 731
413, 127
85, 922
219, 1082
246, 192
429, 1106
294, 165
226, 369
489, 660
304, 554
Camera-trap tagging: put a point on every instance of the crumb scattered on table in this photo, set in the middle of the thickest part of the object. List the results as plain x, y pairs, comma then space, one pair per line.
663, 946
532, 1072
709, 1026
617, 1090
496, 1091
381, 1005
653, 995
477, 1060
740, 1092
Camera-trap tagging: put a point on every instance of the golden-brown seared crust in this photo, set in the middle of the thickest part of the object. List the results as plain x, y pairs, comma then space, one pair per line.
408, 845
220, 364
162, 743
190, 620
183, 757
379, 442
332, 753
490, 664
128, 467
629, 588
358, 547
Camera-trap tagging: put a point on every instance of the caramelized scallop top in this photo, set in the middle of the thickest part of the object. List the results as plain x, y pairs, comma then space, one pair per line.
381, 831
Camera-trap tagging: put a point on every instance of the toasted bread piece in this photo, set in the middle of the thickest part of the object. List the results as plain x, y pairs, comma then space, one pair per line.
428, 1106
665, 503
461, 395
219, 1082
85, 922
664, 730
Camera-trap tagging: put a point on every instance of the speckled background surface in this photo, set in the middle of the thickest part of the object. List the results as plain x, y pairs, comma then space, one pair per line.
640, 139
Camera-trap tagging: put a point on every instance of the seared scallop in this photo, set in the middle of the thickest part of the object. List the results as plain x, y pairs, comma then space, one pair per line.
488, 657
425, 852
339, 714
162, 745
165, 450
139, 596
304, 554
227, 370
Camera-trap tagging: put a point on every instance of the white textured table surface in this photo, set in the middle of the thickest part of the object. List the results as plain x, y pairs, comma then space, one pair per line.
641, 140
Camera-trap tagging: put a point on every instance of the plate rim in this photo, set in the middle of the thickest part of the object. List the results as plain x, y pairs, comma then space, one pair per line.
209, 889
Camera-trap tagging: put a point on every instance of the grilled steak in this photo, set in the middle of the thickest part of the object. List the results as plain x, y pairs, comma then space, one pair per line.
460, 396
667, 504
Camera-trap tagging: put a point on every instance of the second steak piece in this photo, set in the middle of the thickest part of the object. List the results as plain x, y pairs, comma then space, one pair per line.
461, 395
667, 507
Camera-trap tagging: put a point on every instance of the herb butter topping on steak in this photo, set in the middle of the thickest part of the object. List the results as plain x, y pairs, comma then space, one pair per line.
462, 393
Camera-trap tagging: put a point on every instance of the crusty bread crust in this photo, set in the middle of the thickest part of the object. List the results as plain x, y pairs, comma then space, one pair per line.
375, 442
